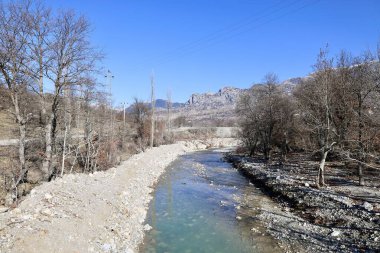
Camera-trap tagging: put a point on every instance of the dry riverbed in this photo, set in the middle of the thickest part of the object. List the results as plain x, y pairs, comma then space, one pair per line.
100, 212
343, 217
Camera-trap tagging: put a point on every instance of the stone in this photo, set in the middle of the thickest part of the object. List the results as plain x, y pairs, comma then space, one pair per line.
367, 206
48, 196
147, 227
34, 176
106, 247
238, 218
307, 185
335, 233
128, 250
33, 192
255, 230
24, 189
46, 212
109, 247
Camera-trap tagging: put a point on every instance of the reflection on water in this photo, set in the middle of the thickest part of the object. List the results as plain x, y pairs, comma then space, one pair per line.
196, 209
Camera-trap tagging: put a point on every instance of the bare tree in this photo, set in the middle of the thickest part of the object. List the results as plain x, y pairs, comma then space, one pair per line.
169, 118
364, 85
63, 53
13, 59
140, 117
315, 99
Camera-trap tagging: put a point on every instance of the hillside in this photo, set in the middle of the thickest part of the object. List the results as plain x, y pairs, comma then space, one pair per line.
216, 109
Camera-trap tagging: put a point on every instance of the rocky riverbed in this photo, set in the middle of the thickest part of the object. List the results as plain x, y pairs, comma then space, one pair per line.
100, 212
343, 217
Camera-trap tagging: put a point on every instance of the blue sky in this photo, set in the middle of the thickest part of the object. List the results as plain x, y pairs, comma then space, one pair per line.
203, 45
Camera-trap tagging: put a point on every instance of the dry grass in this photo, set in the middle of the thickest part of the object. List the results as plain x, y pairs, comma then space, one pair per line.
8, 128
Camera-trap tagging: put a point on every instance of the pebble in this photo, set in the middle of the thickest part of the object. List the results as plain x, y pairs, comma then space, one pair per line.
46, 212
48, 196
147, 227
255, 230
335, 233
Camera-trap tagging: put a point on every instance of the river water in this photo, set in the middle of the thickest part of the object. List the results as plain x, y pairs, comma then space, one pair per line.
198, 207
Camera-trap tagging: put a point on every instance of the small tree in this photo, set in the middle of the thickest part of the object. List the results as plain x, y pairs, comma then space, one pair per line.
315, 100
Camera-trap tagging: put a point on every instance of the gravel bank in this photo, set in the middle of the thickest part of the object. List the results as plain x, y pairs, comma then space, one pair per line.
100, 212
332, 219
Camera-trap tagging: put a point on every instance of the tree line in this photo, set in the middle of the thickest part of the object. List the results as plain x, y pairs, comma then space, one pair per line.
332, 112
66, 122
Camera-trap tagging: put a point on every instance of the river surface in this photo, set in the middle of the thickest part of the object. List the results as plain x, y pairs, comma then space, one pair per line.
200, 205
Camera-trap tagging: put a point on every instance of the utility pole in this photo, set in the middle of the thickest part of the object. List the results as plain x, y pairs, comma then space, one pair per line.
153, 104
124, 107
109, 78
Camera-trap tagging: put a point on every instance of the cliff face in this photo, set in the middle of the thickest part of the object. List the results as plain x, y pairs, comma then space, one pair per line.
226, 96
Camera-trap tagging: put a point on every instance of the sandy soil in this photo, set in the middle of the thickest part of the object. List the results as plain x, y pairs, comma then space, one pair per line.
100, 212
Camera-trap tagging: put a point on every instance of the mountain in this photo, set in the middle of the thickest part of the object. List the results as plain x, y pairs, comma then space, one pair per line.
212, 109
225, 97
161, 103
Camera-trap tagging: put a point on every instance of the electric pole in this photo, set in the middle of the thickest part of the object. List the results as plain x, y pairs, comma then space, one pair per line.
153, 104
109, 78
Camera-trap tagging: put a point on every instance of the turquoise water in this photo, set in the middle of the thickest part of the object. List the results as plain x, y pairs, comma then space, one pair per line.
196, 209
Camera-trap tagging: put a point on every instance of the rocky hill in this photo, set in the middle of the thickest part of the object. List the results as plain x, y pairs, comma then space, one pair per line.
215, 109
225, 97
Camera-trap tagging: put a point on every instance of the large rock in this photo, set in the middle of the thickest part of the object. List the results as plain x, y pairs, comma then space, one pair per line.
24, 189
34, 176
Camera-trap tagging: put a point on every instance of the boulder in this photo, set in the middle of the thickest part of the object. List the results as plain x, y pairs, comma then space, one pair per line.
367, 206
34, 176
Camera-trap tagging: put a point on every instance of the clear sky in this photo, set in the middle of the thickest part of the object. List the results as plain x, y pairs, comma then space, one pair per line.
203, 45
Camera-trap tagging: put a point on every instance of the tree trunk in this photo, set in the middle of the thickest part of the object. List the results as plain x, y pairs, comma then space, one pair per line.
361, 145
22, 134
320, 180
64, 152
21, 153
48, 156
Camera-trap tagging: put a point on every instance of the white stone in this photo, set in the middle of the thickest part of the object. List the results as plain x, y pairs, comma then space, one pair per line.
255, 230
48, 196
367, 206
335, 233
147, 227
46, 212
307, 184
106, 247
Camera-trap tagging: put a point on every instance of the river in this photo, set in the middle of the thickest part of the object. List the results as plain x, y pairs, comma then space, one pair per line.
198, 207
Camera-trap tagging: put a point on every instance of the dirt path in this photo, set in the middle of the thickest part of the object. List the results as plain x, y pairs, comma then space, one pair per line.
101, 212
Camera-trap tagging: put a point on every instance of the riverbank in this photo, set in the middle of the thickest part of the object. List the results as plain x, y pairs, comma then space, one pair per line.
343, 217
100, 212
